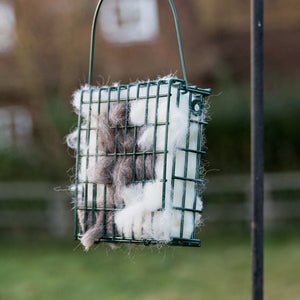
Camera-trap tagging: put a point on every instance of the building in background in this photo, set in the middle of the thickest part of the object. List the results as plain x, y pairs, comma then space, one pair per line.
7, 27
46, 43
129, 22
15, 127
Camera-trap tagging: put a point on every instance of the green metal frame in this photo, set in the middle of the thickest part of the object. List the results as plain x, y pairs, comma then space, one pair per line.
196, 102
196, 99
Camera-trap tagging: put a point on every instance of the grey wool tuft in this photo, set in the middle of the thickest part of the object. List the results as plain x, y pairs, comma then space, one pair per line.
115, 135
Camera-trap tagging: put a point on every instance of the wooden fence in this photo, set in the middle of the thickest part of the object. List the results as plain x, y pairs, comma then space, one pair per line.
27, 206
281, 197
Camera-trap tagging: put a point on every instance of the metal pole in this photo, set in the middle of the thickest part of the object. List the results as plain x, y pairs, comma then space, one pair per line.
257, 154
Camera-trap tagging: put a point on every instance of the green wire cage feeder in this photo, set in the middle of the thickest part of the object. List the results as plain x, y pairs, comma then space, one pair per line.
138, 163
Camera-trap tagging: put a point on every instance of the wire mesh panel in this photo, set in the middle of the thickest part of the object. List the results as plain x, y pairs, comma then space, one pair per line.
138, 167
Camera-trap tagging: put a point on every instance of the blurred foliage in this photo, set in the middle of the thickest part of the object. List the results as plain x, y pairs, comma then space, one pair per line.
228, 130
35, 163
228, 133
30, 165
282, 130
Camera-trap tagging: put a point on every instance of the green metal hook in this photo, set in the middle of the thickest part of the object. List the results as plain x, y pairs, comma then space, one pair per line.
93, 41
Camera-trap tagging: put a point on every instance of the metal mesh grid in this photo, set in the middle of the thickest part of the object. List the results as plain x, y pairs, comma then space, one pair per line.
92, 198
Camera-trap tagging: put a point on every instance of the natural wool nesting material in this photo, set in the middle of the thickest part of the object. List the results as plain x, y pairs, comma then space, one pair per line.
132, 161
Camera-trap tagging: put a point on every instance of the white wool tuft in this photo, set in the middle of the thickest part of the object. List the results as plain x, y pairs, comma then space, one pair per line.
129, 220
132, 194
167, 223
162, 225
152, 198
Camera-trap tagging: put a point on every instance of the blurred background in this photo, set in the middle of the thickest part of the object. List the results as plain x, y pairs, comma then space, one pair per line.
44, 52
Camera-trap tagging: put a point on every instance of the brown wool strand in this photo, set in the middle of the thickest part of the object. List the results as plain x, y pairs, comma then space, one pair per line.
114, 171
97, 231
117, 114
85, 218
119, 139
104, 170
126, 143
115, 139
106, 135
144, 167
93, 232
123, 172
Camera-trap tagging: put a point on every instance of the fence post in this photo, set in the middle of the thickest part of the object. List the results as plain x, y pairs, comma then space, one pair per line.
257, 155
58, 213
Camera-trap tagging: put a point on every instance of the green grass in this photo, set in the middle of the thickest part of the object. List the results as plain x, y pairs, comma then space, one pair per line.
219, 270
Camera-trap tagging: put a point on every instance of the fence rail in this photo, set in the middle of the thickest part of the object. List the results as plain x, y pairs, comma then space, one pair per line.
275, 207
30, 206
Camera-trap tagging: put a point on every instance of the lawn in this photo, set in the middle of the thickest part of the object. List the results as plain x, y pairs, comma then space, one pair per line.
220, 269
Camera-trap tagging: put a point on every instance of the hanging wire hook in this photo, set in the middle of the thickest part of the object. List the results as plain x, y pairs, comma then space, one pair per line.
91, 64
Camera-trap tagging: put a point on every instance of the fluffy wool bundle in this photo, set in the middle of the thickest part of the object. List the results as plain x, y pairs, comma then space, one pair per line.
137, 160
